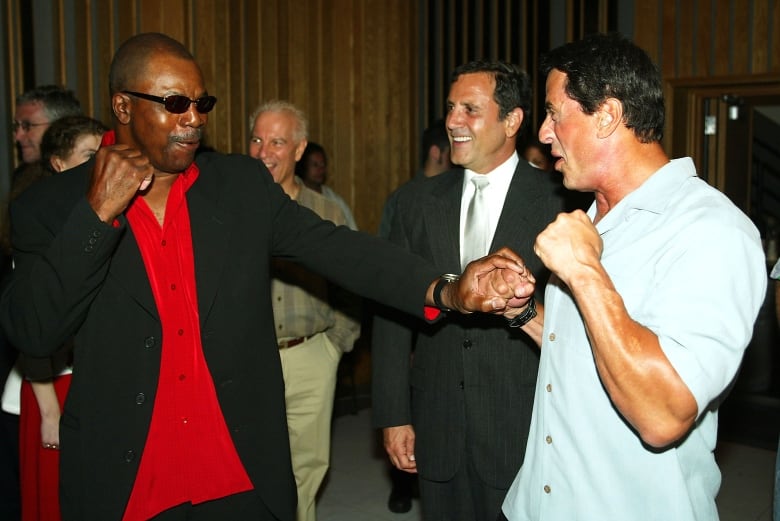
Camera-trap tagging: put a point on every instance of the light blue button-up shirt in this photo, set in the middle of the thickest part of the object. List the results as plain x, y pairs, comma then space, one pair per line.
690, 267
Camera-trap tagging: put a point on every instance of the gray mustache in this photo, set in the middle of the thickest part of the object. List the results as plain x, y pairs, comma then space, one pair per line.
192, 136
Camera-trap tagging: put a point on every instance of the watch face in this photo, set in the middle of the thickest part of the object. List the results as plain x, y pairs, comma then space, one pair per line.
450, 277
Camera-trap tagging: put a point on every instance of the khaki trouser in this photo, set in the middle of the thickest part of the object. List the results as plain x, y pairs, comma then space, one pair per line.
309, 371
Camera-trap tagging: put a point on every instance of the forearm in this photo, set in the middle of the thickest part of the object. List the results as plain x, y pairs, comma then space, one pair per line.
633, 368
46, 397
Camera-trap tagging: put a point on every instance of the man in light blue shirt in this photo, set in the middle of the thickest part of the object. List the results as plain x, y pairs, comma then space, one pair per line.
650, 307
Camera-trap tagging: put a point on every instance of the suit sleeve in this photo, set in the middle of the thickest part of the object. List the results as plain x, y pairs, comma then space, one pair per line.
60, 263
392, 341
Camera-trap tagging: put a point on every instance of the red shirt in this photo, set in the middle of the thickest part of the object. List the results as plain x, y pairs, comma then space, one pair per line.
189, 455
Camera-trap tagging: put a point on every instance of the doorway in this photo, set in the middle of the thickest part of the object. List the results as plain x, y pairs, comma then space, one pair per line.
730, 127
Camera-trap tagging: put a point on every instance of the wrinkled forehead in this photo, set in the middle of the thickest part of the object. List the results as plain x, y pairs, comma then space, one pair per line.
29, 110
166, 72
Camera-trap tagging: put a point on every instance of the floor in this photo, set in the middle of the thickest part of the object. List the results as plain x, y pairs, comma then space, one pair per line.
358, 484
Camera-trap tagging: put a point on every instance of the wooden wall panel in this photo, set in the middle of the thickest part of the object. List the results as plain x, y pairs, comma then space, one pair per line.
716, 38
349, 64
357, 69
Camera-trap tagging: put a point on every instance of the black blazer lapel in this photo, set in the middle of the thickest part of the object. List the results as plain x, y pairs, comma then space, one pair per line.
518, 206
129, 271
442, 223
210, 237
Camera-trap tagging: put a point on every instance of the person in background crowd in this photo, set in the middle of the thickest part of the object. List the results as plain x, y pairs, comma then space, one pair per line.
68, 142
435, 160
652, 301
312, 324
313, 170
538, 155
35, 110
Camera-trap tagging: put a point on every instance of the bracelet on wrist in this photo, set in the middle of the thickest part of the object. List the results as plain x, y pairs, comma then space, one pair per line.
526, 315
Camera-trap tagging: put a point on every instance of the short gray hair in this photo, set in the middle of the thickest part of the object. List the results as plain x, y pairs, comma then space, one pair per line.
57, 101
302, 127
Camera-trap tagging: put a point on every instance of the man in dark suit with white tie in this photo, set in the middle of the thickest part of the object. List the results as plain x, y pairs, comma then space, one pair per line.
457, 410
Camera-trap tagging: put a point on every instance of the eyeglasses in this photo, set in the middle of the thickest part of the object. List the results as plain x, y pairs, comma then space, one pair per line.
25, 125
177, 103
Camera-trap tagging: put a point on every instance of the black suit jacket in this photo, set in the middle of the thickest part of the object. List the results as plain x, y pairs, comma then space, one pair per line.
77, 276
472, 377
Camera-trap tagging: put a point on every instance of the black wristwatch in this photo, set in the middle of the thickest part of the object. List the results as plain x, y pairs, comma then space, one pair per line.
526, 316
447, 278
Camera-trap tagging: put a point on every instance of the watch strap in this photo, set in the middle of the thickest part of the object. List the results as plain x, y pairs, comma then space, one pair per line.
447, 278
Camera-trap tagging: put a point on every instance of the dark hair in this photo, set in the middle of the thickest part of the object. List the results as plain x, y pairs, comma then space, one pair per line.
602, 66
436, 134
131, 58
311, 148
61, 136
513, 86
57, 101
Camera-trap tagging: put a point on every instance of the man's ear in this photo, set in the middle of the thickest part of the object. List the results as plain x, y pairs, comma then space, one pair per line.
300, 148
120, 104
609, 116
434, 153
513, 121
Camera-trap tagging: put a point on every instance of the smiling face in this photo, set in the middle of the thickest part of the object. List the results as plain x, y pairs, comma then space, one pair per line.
29, 141
274, 143
480, 140
571, 132
168, 140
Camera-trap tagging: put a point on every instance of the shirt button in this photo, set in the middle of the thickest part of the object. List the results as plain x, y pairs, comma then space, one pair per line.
547, 489
548, 439
549, 388
163, 243
149, 342
180, 332
182, 377
173, 286
467, 344
140, 398
552, 337
461, 384
129, 456
96, 233
185, 420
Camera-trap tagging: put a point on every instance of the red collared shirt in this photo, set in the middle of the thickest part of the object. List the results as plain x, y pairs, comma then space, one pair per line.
189, 455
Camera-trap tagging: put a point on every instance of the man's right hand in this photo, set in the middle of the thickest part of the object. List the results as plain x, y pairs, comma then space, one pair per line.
399, 444
118, 174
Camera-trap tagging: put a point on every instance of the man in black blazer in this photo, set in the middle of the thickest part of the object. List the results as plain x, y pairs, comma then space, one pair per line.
458, 410
157, 265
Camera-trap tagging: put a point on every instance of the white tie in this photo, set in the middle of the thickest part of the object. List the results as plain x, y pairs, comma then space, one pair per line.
475, 231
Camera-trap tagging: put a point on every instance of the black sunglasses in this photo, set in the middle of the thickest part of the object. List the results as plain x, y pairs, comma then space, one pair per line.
177, 103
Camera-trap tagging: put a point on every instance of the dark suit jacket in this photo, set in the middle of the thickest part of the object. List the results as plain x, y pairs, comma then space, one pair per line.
78, 276
472, 377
